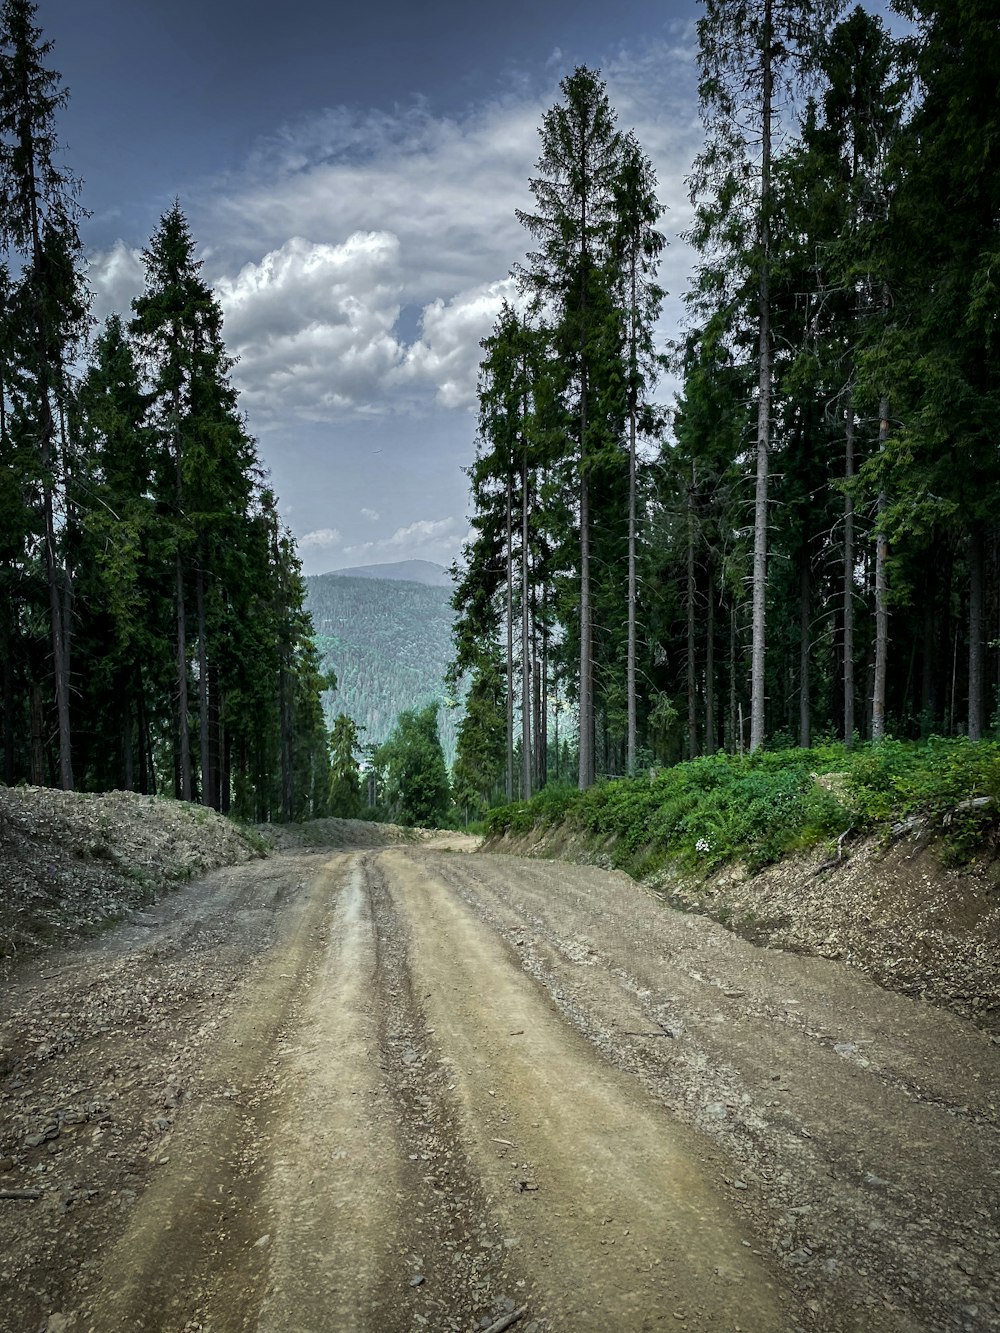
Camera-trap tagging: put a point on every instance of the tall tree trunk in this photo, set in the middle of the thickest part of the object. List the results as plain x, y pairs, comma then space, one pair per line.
977, 579
510, 635
849, 575
710, 744
630, 666
285, 726
542, 740
142, 731
881, 592
692, 674
58, 634
203, 737
525, 641
9, 775
805, 591
37, 737
586, 766
758, 648
183, 735
735, 744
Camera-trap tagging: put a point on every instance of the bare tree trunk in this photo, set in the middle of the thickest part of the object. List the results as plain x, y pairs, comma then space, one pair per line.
525, 642
758, 648
710, 745
37, 737
203, 731
692, 676
849, 576
8, 693
881, 593
732, 682
183, 737
60, 669
805, 589
977, 578
630, 667
586, 767
510, 635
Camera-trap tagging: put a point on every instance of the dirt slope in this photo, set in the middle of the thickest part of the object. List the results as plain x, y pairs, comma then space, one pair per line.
408, 1089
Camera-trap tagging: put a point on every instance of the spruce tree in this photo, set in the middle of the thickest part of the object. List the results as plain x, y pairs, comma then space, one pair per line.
39, 213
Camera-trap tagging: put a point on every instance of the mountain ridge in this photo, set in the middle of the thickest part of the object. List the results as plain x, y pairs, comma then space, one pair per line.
401, 571
389, 643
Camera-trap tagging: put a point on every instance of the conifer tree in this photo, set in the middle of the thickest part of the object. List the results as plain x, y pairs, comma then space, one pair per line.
39, 212
569, 278
747, 50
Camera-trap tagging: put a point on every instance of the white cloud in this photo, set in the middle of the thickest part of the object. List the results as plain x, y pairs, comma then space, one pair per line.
319, 540
312, 324
428, 539
115, 276
448, 352
372, 515
342, 219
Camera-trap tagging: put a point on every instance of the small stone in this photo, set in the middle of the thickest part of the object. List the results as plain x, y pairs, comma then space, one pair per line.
6, 1164
716, 1110
845, 1047
263, 1242
417, 1280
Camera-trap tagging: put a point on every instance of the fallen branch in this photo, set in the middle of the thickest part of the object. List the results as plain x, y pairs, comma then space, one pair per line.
20, 1194
834, 860
972, 803
506, 1320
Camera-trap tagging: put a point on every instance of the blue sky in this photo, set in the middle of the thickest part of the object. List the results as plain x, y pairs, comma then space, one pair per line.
351, 175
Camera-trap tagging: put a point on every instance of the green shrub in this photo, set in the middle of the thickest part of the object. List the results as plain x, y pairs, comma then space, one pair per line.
709, 811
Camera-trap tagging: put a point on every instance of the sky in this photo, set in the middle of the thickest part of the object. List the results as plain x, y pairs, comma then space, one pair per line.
350, 174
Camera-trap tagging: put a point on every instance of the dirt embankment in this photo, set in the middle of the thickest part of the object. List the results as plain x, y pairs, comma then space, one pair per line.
71, 863
890, 907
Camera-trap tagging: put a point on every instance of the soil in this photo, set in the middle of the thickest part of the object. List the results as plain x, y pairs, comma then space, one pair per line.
400, 1087
888, 904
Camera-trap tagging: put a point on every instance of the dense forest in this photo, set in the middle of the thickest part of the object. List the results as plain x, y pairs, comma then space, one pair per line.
152, 627
805, 544
388, 644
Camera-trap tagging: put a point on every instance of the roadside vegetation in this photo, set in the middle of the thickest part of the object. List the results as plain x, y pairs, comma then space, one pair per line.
706, 812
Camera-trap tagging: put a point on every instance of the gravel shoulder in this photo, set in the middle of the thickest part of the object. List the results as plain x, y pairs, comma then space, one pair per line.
402, 1088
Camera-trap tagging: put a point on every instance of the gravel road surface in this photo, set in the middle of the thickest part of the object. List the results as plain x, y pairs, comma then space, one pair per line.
415, 1089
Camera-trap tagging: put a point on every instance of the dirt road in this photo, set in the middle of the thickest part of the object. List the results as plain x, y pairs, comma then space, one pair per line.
413, 1089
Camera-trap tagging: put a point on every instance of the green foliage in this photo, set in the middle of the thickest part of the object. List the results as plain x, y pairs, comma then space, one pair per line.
345, 775
709, 811
411, 770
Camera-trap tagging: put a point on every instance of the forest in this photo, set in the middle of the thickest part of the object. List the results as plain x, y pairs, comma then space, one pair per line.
803, 546
388, 644
799, 547
152, 625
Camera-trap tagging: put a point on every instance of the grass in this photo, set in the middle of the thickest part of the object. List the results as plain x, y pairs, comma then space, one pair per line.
704, 813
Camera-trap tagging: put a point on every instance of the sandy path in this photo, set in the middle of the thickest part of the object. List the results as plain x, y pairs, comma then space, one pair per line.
411, 1089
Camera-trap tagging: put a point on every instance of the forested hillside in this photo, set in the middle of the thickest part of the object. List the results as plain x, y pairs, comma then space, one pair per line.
389, 644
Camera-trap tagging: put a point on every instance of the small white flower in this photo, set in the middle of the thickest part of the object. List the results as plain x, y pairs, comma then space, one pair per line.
703, 845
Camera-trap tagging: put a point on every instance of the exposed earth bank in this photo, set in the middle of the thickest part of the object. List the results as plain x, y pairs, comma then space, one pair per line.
887, 904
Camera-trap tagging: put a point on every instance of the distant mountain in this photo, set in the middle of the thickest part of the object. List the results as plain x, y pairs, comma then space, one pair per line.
403, 571
389, 642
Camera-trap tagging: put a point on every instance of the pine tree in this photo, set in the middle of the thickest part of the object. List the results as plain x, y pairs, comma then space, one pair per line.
39, 212
569, 278
747, 48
